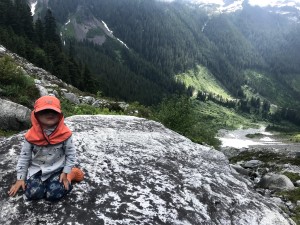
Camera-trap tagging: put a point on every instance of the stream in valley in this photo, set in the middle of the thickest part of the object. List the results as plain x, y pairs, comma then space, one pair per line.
237, 139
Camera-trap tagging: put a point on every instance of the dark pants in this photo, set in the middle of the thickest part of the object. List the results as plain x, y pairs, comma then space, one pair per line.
51, 189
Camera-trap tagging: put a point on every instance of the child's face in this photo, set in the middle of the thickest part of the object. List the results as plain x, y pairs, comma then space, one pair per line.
48, 118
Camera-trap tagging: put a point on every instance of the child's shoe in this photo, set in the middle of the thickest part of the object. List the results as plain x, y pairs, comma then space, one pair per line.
75, 175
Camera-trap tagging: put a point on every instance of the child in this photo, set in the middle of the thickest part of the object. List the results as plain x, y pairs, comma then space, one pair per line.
48, 155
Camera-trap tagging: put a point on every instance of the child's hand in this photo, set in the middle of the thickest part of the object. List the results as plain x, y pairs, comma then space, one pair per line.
14, 189
63, 179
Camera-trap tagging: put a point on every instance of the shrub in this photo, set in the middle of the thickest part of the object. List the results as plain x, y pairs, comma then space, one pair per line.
70, 109
176, 113
15, 85
7, 133
293, 176
179, 114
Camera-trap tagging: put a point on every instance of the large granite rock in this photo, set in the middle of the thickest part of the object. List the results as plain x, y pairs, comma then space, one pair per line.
277, 182
13, 116
139, 172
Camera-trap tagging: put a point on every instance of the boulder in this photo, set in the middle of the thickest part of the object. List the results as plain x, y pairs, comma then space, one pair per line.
2, 49
71, 97
240, 170
253, 164
277, 182
87, 99
43, 91
139, 172
13, 116
123, 105
101, 103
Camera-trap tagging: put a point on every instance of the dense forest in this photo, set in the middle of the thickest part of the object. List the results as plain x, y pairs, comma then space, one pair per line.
40, 43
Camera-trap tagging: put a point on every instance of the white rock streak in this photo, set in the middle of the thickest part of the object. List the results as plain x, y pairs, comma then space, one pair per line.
111, 33
67, 22
32, 7
106, 27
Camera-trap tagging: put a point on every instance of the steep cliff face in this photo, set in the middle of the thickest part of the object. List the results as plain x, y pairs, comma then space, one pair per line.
139, 172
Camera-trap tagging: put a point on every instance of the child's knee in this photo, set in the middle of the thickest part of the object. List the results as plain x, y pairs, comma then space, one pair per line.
35, 189
35, 193
56, 191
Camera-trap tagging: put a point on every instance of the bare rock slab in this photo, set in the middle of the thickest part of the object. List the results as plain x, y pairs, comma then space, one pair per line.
139, 172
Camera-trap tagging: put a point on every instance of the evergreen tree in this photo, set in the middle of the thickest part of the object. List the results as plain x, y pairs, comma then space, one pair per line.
87, 79
27, 20
40, 33
176, 112
5, 8
50, 28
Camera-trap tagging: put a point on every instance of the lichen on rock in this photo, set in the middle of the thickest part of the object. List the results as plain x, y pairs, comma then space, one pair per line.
139, 172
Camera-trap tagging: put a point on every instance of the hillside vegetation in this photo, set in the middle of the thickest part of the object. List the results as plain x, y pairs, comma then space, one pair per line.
201, 79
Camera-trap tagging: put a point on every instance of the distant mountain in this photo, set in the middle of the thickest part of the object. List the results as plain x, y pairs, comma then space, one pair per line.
289, 8
248, 46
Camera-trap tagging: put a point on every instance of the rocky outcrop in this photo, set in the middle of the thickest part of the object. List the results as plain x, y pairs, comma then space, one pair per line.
139, 172
13, 116
276, 182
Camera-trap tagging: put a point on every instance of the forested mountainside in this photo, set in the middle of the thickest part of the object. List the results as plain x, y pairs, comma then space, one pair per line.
172, 38
138, 50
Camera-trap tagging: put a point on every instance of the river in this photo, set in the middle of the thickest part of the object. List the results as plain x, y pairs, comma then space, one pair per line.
237, 139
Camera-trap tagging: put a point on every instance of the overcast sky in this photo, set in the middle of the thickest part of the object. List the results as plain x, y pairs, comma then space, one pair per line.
252, 2
273, 2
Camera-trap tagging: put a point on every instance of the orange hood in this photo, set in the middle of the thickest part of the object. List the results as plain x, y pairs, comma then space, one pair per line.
36, 135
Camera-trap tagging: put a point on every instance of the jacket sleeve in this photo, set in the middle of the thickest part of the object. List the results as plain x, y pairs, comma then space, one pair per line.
24, 160
70, 153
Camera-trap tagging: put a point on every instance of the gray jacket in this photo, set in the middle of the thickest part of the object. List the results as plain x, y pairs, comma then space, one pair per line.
48, 159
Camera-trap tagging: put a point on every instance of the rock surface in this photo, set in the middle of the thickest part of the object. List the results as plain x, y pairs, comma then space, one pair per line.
276, 182
13, 116
139, 172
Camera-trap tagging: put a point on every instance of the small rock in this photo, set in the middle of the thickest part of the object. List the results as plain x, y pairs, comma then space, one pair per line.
36, 81
2, 49
71, 97
278, 201
43, 91
55, 93
240, 169
123, 105
290, 205
87, 99
253, 164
